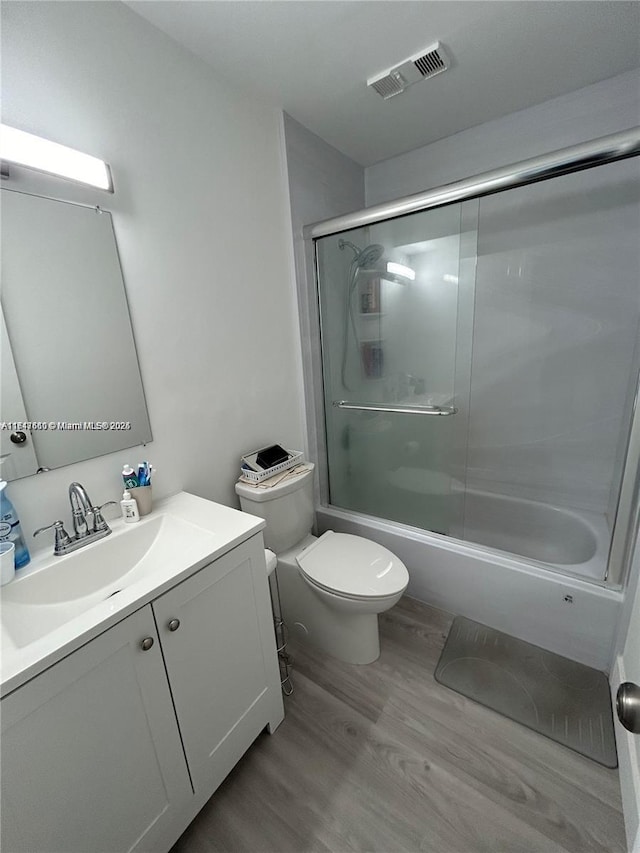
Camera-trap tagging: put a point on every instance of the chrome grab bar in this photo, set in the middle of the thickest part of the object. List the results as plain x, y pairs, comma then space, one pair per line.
396, 409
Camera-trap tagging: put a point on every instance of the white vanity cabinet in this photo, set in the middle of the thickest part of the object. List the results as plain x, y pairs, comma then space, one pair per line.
91, 752
211, 628
93, 748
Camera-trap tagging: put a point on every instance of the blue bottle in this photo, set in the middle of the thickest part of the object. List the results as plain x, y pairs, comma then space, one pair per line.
10, 528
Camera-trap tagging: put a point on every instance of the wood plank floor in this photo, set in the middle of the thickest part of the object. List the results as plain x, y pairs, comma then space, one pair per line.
382, 758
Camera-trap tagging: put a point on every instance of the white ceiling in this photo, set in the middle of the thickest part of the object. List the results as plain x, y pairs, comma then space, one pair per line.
313, 58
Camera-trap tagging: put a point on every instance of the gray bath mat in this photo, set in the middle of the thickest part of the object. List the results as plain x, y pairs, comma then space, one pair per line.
564, 700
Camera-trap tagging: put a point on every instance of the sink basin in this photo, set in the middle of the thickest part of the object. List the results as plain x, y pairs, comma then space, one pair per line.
84, 572
64, 587
57, 604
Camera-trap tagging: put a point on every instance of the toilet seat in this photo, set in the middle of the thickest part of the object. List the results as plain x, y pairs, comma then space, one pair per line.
352, 567
345, 595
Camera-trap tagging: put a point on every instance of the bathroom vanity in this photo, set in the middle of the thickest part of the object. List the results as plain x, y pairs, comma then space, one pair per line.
124, 709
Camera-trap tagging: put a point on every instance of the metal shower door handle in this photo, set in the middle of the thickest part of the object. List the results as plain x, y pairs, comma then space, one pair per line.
628, 706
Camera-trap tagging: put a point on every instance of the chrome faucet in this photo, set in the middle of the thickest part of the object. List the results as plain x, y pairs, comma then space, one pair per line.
81, 506
88, 523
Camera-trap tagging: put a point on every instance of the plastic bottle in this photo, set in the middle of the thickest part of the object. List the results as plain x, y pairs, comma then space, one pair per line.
129, 508
10, 529
129, 477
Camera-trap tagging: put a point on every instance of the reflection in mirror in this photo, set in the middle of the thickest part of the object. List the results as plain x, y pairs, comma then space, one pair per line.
71, 386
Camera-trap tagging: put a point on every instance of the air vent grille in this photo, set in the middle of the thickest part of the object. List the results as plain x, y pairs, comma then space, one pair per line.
388, 86
431, 63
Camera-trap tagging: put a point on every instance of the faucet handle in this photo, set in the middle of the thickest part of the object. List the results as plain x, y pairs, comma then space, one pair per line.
98, 521
57, 524
62, 538
108, 503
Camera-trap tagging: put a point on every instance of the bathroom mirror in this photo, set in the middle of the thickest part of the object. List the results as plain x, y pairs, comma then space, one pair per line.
71, 385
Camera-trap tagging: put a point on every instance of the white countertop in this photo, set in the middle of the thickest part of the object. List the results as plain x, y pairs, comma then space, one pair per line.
216, 529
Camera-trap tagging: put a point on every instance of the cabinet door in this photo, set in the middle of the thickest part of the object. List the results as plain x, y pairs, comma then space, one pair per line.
221, 661
91, 753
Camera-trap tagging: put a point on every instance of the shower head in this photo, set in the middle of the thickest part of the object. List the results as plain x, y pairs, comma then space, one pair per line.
366, 257
370, 255
366, 261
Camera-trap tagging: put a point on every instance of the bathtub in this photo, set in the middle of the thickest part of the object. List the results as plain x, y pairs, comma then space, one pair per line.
561, 605
569, 541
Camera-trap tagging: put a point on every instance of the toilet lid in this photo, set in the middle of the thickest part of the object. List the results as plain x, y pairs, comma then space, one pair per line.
353, 566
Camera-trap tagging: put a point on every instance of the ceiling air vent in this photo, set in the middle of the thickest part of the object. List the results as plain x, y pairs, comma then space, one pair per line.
389, 85
429, 62
433, 62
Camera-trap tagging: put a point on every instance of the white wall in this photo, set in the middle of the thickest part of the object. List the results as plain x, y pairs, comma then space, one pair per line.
606, 107
200, 214
323, 183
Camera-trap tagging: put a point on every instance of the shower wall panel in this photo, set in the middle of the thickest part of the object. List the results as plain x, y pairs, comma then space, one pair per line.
557, 315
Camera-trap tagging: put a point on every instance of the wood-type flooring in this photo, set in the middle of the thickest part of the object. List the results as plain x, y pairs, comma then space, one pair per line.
383, 758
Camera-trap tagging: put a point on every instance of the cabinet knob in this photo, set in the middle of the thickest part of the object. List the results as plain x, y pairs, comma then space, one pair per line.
174, 625
146, 644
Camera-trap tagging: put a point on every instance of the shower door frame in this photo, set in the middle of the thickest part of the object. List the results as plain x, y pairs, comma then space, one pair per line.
588, 155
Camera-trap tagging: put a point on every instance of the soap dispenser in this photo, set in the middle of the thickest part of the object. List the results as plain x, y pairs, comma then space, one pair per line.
10, 529
129, 508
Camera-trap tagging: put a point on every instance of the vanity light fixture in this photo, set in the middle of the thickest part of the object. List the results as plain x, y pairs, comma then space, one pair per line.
34, 152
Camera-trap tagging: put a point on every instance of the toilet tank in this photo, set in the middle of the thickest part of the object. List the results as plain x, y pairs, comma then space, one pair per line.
287, 509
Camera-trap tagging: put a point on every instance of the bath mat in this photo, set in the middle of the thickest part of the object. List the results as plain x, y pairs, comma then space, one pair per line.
564, 700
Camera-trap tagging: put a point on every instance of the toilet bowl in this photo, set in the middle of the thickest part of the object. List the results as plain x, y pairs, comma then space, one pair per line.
332, 588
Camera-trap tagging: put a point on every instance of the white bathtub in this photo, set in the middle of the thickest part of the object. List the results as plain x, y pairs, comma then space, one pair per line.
549, 605
566, 540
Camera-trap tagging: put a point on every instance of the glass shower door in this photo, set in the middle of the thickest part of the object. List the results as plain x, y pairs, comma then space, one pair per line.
395, 299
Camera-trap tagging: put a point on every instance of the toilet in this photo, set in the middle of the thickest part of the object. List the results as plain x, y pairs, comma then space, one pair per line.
332, 587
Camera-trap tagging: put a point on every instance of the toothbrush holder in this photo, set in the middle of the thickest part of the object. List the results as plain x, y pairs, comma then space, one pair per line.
143, 497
